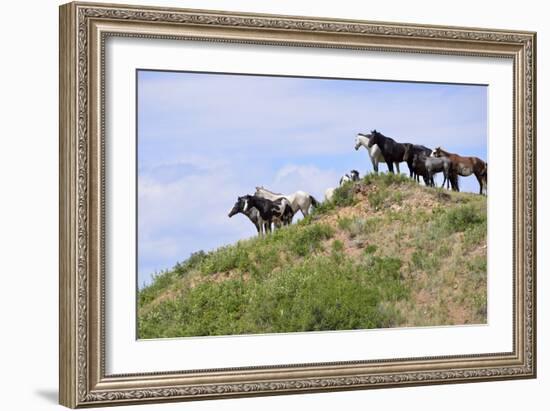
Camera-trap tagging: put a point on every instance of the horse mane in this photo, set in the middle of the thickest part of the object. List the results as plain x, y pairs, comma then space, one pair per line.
269, 191
376, 133
444, 151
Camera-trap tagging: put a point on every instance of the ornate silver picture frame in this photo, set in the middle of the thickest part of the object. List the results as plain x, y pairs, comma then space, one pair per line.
84, 30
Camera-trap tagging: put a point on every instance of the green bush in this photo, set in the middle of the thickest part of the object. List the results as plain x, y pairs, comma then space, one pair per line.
462, 218
371, 249
226, 259
377, 198
161, 282
337, 246
344, 195
321, 293
192, 262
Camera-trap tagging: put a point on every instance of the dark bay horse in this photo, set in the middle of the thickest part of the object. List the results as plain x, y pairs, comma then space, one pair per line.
410, 151
392, 151
465, 166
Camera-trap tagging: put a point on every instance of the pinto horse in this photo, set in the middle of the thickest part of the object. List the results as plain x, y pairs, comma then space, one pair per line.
300, 200
352, 176
267, 212
252, 213
391, 150
465, 166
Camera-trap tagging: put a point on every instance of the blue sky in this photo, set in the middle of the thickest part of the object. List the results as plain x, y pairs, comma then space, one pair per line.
204, 139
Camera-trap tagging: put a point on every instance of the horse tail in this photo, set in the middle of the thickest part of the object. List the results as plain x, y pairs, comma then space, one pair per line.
314, 202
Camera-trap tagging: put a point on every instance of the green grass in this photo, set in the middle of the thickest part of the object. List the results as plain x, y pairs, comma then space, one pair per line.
344, 195
307, 277
321, 293
462, 218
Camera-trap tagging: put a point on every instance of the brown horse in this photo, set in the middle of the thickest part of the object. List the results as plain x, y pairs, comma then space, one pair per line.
465, 166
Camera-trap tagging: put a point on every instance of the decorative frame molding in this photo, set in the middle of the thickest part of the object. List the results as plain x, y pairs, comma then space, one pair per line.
83, 30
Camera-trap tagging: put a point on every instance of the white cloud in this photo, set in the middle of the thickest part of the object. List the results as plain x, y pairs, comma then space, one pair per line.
204, 140
259, 111
310, 179
188, 214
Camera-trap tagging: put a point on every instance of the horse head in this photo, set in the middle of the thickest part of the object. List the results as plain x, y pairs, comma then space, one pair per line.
436, 152
237, 207
373, 138
359, 140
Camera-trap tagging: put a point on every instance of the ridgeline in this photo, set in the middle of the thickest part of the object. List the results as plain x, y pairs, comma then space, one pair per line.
385, 252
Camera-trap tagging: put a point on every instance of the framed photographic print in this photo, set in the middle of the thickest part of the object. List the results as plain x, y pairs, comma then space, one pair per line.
259, 204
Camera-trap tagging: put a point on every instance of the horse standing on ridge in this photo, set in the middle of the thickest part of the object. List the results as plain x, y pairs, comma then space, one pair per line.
465, 166
392, 151
252, 213
269, 212
375, 154
300, 200
408, 156
428, 167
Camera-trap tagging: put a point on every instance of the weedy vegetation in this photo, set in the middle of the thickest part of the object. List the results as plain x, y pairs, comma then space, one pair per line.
385, 252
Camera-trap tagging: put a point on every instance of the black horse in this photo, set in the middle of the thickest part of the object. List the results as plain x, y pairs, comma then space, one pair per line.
410, 151
278, 212
252, 213
392, 151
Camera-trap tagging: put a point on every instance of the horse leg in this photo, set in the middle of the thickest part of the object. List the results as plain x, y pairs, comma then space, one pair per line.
426, 180
430, 179
397, 167
261, 227
454, 182
447, 174
390, 166
480, 181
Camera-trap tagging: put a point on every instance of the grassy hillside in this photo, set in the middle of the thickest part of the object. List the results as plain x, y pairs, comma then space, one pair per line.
385, 252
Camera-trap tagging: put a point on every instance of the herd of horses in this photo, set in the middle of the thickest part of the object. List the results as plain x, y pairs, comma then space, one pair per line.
422, 161
266, 209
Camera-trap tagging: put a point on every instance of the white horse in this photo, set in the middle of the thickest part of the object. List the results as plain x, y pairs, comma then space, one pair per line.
300, 200
375, 154
329, 193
